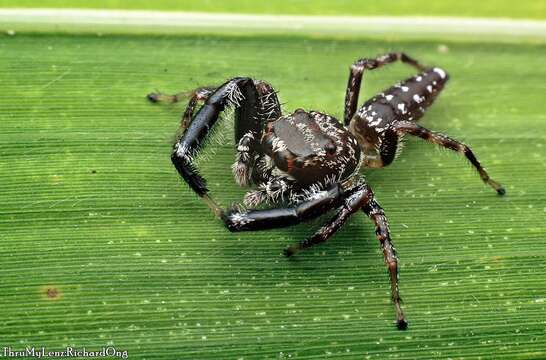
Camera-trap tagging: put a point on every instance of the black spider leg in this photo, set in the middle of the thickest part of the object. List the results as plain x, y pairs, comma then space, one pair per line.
362, 197
252, 220
239, 92
350, 205
408, 127
356, 73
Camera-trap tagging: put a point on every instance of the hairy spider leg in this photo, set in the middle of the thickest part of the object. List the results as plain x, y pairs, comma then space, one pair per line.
261, 105
377, 215
360, 197
356, 73
191, 141
252, 220
409, 127
363, 199
249, 98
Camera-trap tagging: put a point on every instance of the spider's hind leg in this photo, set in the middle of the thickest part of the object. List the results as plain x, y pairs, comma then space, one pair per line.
357, 70
408, 127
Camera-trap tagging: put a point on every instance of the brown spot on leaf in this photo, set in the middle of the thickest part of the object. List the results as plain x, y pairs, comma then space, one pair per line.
50, 292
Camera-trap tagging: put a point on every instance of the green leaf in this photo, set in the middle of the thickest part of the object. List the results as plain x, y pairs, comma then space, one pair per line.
102, 244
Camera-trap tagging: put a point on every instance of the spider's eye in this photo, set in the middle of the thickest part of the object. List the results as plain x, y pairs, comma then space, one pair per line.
330, 148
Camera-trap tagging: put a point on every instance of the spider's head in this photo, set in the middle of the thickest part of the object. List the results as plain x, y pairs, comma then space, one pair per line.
311, 147
378, 143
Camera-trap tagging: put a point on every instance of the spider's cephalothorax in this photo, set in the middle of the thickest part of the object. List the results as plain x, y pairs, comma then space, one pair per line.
307, 163
310, 148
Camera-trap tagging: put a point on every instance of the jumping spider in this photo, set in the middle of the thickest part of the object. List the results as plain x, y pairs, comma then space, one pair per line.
306, 162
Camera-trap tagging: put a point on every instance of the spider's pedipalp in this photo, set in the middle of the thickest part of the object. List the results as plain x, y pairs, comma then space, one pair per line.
274, 190
242, 168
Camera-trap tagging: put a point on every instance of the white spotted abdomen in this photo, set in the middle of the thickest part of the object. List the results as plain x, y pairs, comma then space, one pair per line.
409, 99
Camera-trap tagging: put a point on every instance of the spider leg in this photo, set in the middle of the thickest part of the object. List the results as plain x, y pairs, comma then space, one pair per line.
252, 220
357, 70
238, 92
362, 197
377, 215
408, 127
200, 94
259, 106
351, 204
249, 98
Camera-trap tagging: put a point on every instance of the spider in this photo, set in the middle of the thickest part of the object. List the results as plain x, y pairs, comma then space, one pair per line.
307, 163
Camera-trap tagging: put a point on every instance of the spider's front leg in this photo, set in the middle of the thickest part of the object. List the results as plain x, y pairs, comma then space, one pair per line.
362, 197
254, 101
239, 92
252, 220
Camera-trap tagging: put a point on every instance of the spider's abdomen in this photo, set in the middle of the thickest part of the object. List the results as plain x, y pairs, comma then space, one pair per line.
311, 147
373, 124
407, 100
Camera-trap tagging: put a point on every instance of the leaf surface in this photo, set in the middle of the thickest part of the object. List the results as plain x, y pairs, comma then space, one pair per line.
102, 244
